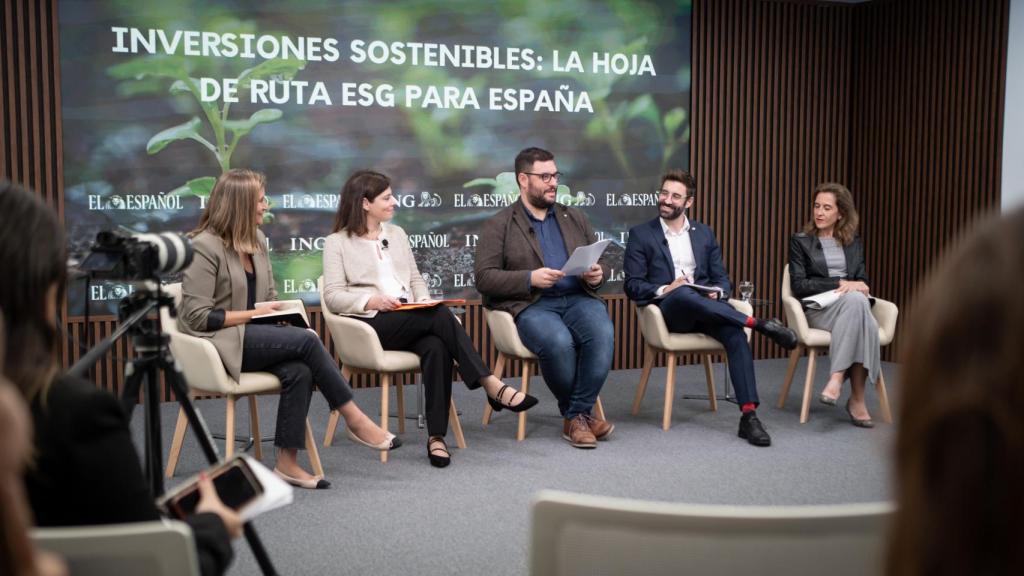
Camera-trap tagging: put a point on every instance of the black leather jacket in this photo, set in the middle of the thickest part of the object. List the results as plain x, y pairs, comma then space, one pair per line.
808, 271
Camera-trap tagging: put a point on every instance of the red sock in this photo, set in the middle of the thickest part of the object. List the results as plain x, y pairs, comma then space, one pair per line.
748, 407
751, 321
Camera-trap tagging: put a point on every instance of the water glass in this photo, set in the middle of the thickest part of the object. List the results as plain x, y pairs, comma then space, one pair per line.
746, 290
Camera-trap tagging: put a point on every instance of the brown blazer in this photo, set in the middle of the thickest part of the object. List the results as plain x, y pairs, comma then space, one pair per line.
507, 251
216, 280
350, 271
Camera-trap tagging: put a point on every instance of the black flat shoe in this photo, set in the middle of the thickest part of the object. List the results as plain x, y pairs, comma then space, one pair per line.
753, 431
439, 455
527, 403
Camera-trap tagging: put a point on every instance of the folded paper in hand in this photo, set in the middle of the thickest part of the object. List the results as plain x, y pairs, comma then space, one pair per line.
583, 257
825, 299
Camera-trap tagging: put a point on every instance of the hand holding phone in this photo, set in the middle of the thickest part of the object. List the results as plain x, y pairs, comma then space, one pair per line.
209, 501
234, 486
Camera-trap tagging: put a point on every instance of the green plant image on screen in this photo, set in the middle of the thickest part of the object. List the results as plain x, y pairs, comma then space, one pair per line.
160, 98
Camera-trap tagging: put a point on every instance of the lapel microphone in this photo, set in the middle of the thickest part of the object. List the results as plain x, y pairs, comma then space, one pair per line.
384, 243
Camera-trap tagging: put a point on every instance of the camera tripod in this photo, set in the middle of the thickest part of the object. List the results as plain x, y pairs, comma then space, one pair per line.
154, 358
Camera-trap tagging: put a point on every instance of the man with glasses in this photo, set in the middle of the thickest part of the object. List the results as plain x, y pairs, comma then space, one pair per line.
675, 263
560, 318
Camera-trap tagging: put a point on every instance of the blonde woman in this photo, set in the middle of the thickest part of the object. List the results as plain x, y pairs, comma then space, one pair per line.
828, 255
229, 274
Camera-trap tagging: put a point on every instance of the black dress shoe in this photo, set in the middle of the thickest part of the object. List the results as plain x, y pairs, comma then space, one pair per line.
779, 334
497, 405
752, 431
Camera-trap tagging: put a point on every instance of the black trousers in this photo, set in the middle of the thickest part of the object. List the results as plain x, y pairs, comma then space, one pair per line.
436, 336
298, 358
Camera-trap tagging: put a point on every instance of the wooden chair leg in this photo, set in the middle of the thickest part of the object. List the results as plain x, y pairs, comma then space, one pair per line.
599, 409
400, 393
883, 399
314, 454
332, 427
385, 383
229, 428
179, 439
453, 418
499, 369
670, 386
709, 376
641, 388
254, 427
794, 357
521, 431
805, 408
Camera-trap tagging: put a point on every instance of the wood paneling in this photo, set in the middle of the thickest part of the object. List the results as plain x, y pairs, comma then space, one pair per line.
901, 100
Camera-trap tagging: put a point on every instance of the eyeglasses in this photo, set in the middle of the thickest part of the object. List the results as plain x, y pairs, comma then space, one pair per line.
665, 194
546, 176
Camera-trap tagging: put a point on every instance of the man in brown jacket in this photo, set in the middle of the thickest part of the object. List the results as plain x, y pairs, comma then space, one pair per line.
560, 318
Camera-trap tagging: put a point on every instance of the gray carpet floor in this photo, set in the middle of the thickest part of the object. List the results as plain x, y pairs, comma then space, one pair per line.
405, 517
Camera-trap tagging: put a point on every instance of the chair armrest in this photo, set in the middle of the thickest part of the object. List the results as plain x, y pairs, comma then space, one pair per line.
745, 308
201, 364
795, 318
356, 343
885, 313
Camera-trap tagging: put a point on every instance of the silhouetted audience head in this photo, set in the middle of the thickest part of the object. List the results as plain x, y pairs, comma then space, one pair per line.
960, 450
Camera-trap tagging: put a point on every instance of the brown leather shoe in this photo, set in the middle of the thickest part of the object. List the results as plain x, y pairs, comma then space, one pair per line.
577, 432
602, 429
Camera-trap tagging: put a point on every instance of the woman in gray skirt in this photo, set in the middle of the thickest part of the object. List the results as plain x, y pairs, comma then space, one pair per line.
828, 256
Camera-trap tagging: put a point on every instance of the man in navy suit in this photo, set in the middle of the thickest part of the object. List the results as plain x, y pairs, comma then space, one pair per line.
665, 258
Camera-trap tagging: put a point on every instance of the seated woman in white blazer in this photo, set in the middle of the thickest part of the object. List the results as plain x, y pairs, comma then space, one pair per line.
369, 270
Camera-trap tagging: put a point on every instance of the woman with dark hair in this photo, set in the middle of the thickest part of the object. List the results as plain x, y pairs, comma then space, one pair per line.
960, 444
828, 256
228, 276
84, 467
369, 271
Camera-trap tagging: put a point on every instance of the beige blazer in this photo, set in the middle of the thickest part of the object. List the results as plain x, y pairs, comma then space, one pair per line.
350, 271
216, 280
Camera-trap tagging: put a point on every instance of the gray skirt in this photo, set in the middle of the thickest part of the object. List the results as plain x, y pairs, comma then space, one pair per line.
854, 333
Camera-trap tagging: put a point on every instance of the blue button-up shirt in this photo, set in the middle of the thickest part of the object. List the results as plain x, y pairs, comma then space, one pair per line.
552, 247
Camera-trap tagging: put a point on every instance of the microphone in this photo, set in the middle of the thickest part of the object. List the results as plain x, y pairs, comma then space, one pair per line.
384, 243
664, 241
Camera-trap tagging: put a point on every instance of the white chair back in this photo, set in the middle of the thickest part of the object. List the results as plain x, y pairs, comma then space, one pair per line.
198, 358
159, 548
573, 534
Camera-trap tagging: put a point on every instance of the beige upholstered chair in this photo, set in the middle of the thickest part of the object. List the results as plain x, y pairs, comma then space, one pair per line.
157, 548
657, 339
360, 351
205, 374
506, 340
817, 341
582, 535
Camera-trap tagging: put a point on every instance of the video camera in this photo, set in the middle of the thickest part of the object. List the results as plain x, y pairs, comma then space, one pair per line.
119, 255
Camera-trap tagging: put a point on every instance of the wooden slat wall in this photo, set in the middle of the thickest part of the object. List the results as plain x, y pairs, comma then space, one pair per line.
902, 100
926, 132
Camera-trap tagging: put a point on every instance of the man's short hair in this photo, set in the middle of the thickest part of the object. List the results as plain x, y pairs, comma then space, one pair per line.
684, 178
526, 158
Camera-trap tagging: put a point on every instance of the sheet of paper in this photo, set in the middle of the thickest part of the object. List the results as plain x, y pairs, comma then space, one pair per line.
584, 257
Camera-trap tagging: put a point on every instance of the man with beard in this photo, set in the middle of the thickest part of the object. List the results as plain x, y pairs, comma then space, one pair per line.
664, 258
560, 318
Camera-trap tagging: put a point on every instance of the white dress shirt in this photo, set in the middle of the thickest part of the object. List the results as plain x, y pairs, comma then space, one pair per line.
683, 262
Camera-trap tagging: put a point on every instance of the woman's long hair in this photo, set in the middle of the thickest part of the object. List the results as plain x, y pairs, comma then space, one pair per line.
231, 210
350, 216
960, 449
33, 253
846, 228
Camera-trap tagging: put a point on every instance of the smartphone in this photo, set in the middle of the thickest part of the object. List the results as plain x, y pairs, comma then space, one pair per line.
235, 483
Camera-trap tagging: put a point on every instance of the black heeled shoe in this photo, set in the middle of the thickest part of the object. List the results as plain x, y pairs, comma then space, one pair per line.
496, 405
436, 459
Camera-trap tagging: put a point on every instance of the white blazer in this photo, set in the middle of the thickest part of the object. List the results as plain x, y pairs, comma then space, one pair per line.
350, 271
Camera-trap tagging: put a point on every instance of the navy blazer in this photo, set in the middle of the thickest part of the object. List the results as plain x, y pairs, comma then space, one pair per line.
648, 261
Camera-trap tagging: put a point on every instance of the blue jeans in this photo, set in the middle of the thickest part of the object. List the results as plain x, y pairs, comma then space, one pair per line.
574, 340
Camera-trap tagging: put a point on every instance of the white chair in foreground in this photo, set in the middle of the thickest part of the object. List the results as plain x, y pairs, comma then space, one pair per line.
817, 341
360, 351
575, 534
657, 339
506, 340
158, 548
205, 374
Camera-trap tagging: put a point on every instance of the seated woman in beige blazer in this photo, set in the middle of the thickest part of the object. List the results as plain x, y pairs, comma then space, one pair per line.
369, 270
230, 273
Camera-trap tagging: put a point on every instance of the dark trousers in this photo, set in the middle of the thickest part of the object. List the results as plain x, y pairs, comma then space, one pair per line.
686, 310
435, 335
298, 358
